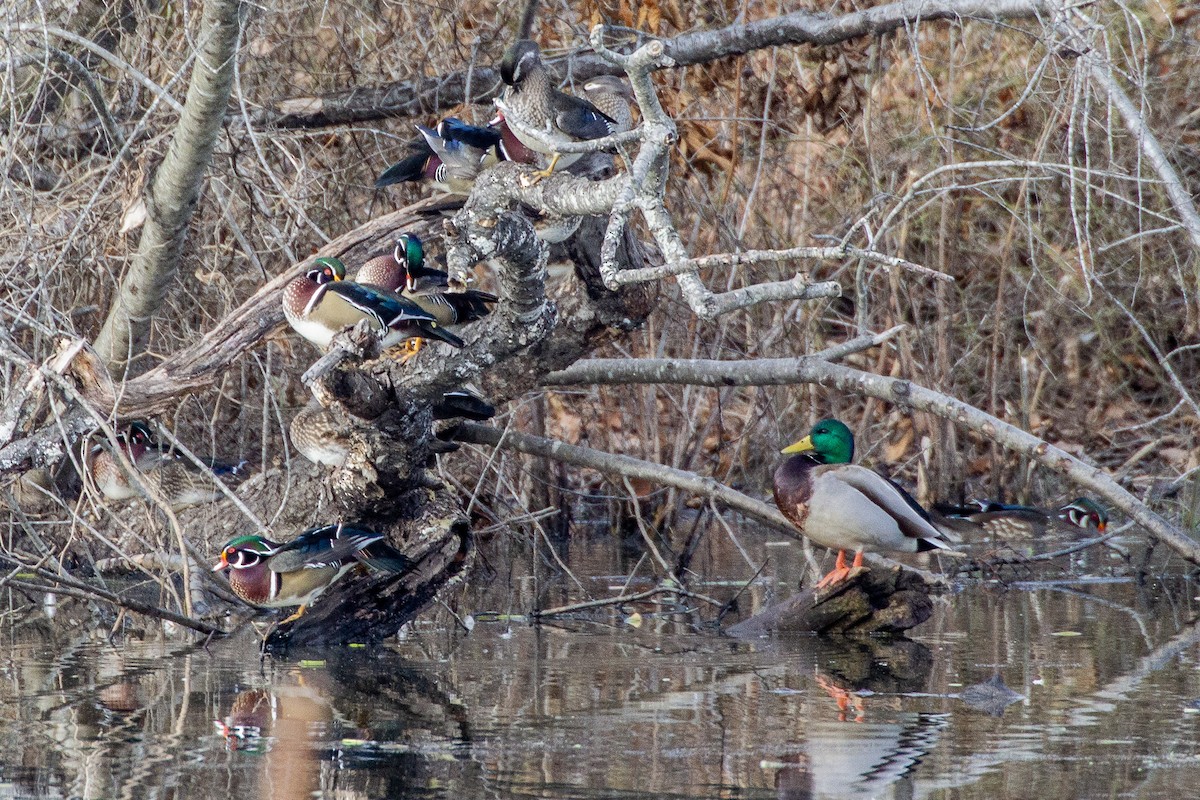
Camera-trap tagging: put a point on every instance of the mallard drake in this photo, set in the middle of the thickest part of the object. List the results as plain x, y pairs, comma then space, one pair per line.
295, 573
844, 506
535, 102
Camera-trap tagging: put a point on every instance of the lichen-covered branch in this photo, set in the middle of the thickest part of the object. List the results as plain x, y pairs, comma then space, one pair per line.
174, 192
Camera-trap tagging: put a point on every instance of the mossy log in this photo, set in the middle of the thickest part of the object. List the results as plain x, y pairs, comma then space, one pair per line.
867, 601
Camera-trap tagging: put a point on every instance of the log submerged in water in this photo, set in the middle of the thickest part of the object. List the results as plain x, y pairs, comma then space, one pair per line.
880, 600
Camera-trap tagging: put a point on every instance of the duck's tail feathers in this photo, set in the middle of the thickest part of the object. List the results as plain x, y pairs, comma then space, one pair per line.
471, 305
382, 557
945, 548
461, 403
412, 167
431, 330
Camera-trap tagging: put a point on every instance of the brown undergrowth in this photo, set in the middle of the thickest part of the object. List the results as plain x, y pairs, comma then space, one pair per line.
1072, 301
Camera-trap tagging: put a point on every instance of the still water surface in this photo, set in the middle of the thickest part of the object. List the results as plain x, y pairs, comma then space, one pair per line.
1101, 701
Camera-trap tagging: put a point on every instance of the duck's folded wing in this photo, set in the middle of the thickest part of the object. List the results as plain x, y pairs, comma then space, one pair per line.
891, 499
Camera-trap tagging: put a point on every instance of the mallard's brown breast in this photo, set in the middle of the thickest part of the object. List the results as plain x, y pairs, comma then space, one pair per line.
793, 488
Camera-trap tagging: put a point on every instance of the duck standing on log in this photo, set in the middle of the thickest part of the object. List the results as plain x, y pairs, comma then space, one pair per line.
843, 506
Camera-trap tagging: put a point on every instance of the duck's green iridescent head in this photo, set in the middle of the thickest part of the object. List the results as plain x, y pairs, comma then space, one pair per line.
829, 442
411, 248
243, 551
1085, 513
328, 268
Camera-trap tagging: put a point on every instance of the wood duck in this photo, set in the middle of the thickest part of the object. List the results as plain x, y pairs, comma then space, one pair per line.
1023, 522
321, 303
511, 147
534, 100
177, 479
463, 404
318, 437
614, 97
451, 156
105, 468
405, 271
295, 573
843, 506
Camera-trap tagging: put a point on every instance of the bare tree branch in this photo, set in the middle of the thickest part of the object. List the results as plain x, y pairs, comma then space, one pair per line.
1101, 71
174, 192
787, 371
613, 464
430, 95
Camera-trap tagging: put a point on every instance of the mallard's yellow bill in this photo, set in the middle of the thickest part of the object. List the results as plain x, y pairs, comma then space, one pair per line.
799, 447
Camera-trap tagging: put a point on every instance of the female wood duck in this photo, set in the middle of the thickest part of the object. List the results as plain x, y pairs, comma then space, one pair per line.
534, 101
450, 156
406, 272
614, 97
321, 303
843, 506
318, 437
1023, 522
177, 480
295, 573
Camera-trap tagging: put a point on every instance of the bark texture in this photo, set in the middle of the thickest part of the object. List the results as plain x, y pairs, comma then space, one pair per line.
174, 193
867, 601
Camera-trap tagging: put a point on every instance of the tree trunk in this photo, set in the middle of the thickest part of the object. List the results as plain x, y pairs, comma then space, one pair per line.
174, 193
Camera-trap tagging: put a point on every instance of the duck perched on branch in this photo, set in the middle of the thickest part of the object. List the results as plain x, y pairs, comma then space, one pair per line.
321, 303
295, 573
450, 156
534, 102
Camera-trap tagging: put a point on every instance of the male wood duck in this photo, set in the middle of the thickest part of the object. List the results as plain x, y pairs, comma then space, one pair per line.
534, 101
405, 271
295, 573
177, 480
1012, 522
105, 468
843, 506
450, 156
321, 303
511, 147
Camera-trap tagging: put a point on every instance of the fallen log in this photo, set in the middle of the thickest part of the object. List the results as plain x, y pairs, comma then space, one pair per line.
879, 600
